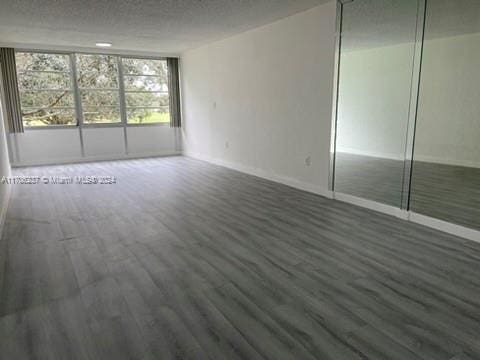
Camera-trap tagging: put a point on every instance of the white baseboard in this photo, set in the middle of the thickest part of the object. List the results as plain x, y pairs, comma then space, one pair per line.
420, 158
453, 229
380, 155
318, 190
433, 223
372, 205
452, 162
4, 208
95, 158
445, 226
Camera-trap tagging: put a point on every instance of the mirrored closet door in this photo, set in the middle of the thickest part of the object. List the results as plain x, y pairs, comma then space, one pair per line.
446, 167
374, 90
409, 84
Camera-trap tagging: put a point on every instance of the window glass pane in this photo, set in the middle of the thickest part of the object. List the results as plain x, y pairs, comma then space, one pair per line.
32, 80
46, 99
99, 98
145, 83
45, 89
101, 115
148, 115
98, 79
145, 67
42, 62
97, 71
146, 91
147, 99
48, 117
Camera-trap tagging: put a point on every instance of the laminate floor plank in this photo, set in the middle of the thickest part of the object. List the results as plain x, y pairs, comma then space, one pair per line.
443, 191
181, 259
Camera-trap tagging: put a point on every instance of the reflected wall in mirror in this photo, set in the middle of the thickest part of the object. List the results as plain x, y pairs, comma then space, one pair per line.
446, 170
374, 90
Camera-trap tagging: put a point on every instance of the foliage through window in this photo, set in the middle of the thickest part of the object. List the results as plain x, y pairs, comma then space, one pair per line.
45, 87
48, 92
97, 78
146, 91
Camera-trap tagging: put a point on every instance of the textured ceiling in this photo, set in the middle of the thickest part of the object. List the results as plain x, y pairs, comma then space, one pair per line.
163, 26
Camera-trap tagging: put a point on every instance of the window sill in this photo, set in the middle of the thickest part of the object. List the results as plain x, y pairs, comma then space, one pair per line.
92, 126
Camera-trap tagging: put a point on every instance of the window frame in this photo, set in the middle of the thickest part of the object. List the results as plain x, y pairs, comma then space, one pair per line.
72, 89
140, 91
79, 117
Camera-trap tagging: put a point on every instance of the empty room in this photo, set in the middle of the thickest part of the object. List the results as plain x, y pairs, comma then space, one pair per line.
257, 179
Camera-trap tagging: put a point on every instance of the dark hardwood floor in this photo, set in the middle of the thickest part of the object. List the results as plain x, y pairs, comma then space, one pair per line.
446, 192
186, 260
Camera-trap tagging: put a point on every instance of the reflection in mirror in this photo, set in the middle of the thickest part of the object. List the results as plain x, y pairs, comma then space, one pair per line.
446, 170
375, 80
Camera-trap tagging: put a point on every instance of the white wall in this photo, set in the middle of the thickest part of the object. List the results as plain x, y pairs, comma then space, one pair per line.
104, 142
55, 146
4, 169
41, 146
145, 141
374, 98
261, 101
448, 125
373, 102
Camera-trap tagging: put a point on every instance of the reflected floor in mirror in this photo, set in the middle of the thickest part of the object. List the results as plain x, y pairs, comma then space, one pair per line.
182, 259
371, 178
446, 192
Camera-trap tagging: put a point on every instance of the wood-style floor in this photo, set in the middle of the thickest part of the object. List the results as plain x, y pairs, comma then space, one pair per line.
186, 260
445, 192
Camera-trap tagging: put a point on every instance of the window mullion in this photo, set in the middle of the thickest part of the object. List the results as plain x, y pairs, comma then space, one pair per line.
123, 105
76, 91
78, 101
121, 88
140, 91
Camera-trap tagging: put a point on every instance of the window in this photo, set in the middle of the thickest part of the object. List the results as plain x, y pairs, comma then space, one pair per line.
97, 79
146, 91
88, 89
45, 87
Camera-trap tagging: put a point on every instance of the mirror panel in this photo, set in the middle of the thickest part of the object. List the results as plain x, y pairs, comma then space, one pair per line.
374, 91
446, 168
